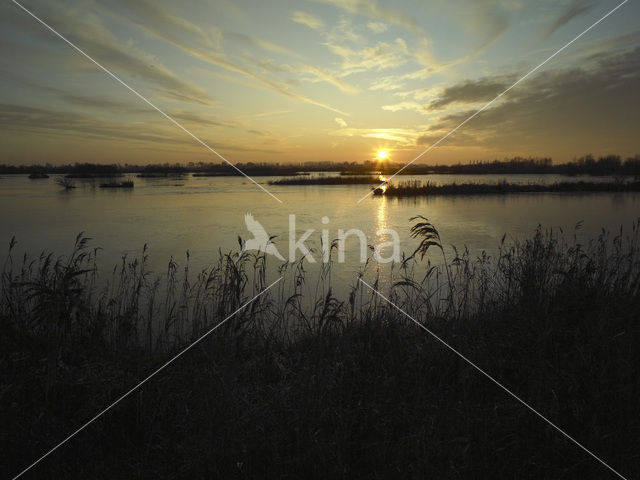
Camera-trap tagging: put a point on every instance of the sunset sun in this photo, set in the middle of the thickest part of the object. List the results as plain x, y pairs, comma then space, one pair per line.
379, 199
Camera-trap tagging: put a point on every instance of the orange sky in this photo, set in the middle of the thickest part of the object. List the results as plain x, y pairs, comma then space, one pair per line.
321, 80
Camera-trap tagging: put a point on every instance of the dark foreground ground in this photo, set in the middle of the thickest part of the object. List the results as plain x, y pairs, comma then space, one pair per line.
360, 392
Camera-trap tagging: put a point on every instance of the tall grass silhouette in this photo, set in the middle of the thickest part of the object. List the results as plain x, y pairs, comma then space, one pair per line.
416, 188
340, 384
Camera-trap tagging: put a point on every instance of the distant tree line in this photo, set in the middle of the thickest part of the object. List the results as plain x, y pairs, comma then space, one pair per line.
587, 165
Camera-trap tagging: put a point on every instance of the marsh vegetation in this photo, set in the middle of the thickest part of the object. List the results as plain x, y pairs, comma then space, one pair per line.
417, 188
333, 180
342, 384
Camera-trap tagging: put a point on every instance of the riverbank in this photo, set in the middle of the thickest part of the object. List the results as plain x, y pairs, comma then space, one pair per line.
417, 188
586, 165
336, 180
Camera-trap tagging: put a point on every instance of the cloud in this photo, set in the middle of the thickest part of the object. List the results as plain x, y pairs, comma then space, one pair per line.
200, 120
76, 99
148, 13
486, 21
260, 43
371, 9
306, 73
21, 119
116, 106
377, 27
416, 107
387, 84
89, 34
399, 136
192, 46
471, 91
381, 56
308, 20
340, 122
591, 108
574, 9
322, 75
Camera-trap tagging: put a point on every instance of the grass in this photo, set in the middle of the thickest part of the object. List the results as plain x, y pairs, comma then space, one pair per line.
337, 180
65, 183
160, 174
337, 386
124, 184
417, 188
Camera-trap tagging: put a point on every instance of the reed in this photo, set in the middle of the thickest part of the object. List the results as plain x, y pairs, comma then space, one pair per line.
336, 385
416, 188
334, 180
124, 184
65, 183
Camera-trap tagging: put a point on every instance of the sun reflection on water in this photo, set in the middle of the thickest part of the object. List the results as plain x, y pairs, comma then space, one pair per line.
382, 213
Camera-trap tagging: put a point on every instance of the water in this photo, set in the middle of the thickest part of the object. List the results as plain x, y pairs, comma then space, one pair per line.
206, 214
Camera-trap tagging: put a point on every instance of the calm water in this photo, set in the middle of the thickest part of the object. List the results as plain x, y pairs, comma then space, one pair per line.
203, 215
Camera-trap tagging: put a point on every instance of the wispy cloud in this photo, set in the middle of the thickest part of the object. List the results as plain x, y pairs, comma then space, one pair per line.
102, 103
101, 44
487, 20
190, 117
371, 9
192, 46
377, 27
381, 56
387, 84
399, 136
307, 19
324, 76
340, 122
259, 43
571, 11
148, 13
21, 119
414, 106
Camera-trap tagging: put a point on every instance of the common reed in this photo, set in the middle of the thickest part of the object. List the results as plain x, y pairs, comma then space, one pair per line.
333, 180
341, 384
65, 183
415, 188
123, 184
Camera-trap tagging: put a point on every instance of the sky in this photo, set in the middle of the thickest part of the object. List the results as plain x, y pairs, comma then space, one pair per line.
317, 80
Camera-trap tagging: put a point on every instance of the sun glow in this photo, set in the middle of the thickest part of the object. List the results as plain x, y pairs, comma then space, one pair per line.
382, 154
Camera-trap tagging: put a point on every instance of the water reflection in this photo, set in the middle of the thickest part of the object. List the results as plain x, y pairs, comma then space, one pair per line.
382, 213
206, 214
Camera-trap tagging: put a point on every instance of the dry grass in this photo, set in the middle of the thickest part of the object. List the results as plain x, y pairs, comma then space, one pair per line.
416, 188
336, 180
331, 386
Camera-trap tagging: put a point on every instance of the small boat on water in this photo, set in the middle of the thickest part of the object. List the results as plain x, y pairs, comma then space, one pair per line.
35, 176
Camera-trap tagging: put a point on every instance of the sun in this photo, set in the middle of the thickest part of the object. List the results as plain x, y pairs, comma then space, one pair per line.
382, 154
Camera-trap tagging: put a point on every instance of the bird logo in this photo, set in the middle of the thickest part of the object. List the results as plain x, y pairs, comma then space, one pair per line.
261, 241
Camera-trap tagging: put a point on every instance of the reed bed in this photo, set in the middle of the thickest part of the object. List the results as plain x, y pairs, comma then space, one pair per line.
416, 188
336, 180
341, 384
124, 184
